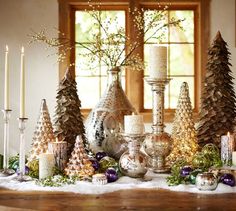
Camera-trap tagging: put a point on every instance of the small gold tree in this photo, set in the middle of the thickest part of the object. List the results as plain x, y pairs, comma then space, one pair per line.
184, 145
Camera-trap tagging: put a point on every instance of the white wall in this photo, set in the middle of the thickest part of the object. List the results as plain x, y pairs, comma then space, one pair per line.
223, 19
17, 18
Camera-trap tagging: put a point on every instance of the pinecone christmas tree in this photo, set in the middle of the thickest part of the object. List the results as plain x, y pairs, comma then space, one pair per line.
217, 114
68, 117
79, 163
43, 133
184, 145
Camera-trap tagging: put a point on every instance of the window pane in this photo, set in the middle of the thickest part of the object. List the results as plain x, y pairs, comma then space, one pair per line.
187, 33
87, 34
158, 31
85, 27
84, 65
181, 59
110, 21
88, 94
175, 85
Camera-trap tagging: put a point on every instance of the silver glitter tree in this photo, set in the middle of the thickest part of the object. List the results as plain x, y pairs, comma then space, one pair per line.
43, 133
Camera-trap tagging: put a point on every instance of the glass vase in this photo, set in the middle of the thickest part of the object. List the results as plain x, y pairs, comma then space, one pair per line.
106, 120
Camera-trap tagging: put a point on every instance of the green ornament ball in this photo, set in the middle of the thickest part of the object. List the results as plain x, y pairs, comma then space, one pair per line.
14, 162
212, 153
108, 162
201, 161
193, 175
15, 165
33, 165
210, 149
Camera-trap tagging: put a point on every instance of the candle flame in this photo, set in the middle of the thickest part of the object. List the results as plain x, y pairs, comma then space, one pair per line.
6, 48
22, 49
228, 134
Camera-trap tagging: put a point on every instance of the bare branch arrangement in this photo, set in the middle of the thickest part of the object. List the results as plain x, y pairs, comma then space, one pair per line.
113, 48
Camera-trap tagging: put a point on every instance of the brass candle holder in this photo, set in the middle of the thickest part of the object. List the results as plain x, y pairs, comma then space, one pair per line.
158, 143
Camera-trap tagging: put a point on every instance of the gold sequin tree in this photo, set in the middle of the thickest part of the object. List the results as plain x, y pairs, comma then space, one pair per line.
184, 141
79, 163
43, 133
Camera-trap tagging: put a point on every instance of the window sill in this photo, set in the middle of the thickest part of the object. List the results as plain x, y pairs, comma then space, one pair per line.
147, 115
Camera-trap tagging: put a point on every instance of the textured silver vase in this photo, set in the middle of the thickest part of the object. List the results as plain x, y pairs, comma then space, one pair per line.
106, 120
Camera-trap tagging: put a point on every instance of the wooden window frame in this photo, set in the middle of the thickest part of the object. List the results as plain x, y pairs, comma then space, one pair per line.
134, 79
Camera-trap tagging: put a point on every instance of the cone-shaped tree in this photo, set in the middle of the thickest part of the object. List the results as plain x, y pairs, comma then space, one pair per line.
79, 163
43, 133
184, 140
68, 121
217, 114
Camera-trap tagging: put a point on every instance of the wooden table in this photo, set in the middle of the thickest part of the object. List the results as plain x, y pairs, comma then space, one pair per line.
139, 199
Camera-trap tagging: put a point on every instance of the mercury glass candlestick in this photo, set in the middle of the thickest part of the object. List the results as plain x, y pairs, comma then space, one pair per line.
21, 174
133, 162
158, 143
6, 171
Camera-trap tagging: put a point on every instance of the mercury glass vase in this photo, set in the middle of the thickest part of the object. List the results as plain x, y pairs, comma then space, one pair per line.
106, 120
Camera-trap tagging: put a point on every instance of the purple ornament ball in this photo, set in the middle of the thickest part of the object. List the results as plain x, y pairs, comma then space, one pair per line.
228, 179
185, 171
100, 155
26, 170
111, 175
95, 164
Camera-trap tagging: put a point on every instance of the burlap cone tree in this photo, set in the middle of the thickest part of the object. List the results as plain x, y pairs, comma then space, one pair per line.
68, 118
217, 113
43, 133
184, 140
79, 163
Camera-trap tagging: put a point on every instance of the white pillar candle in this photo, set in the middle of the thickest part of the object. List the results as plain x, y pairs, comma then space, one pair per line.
134, 124
158, 62
22, 85
46, 164
6, 93
234, 158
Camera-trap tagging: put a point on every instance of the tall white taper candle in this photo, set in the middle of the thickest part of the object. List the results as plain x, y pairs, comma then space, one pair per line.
6, 93
22, 85
158, 62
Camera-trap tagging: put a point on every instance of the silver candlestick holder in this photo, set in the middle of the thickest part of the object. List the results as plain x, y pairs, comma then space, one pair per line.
158, 143
6, 171
133, 162
21, 174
